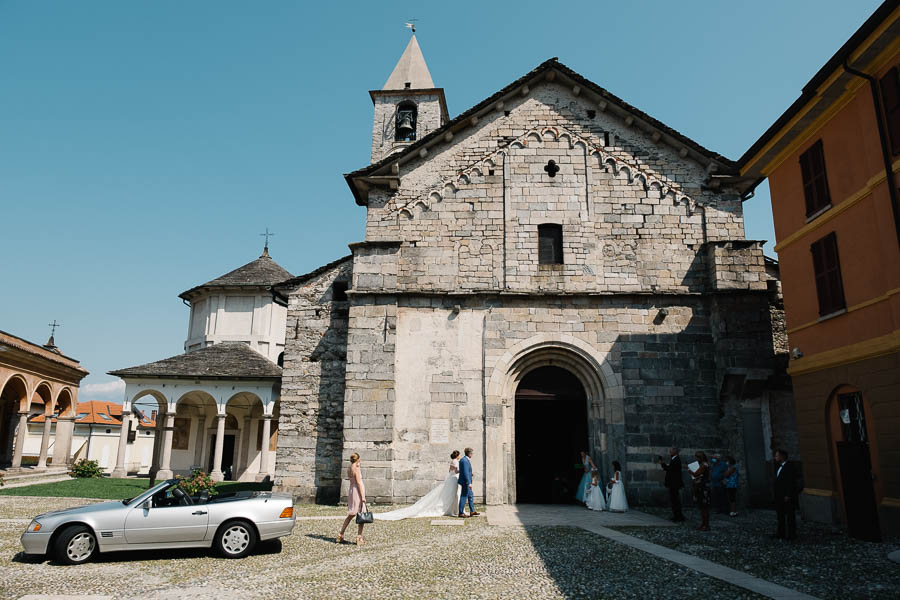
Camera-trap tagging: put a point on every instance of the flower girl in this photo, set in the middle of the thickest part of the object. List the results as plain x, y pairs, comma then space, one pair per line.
617, 500
594, 497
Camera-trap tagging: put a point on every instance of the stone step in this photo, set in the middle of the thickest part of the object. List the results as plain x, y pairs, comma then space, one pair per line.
29, 476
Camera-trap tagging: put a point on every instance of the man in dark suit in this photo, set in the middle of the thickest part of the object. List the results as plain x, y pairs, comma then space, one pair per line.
673, 482
465, 482
786, 486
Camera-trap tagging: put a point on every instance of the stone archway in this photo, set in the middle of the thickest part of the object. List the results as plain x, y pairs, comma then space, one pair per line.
603, 395
12, 396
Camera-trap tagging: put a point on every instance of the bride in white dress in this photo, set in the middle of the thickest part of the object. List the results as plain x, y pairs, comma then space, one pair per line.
617, 500
441, 501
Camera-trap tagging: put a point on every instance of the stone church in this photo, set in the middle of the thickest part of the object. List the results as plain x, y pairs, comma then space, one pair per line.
551, 271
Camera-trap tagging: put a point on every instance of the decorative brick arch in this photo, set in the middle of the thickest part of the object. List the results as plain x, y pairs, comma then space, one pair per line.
602, 385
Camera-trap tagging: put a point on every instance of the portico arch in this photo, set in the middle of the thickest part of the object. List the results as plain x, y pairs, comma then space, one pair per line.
603, 394
13, 395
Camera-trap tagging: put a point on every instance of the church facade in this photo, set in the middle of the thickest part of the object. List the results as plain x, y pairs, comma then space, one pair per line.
550, 271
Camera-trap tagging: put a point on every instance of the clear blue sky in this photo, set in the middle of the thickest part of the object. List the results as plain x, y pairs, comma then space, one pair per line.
144, 145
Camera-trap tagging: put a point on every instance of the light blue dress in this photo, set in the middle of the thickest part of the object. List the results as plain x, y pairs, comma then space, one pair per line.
585, 481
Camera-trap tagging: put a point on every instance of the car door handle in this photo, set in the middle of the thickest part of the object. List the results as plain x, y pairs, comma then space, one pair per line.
199, 512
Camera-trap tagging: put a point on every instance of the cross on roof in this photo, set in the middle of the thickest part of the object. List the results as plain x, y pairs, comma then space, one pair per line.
267, 235
53, 327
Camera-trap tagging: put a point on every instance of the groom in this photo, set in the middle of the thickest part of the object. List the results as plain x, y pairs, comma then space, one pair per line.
465, 480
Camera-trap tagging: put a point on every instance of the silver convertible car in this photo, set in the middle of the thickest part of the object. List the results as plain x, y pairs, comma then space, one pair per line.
164, 516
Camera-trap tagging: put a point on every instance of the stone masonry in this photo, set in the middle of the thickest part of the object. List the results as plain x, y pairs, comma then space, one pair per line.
658, 300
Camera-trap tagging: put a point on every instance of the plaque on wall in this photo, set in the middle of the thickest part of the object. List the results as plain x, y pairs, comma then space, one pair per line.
440, 431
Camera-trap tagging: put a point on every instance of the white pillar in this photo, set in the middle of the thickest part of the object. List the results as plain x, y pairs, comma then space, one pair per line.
264, 449
45, 442
217, 474
62, 448
120, 470
165, 468
198, 443
21, 432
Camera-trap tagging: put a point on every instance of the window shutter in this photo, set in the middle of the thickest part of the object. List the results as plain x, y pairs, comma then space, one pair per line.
827, 269
890, 99
815, 180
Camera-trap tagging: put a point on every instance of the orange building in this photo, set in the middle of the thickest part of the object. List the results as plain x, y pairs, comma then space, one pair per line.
831, 160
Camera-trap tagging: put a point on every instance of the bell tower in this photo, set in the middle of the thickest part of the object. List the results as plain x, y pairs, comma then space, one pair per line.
408, 107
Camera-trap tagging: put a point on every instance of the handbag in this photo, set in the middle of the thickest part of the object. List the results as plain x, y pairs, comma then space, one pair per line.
364, 516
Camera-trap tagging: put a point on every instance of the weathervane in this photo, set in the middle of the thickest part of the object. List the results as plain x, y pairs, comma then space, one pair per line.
267, 235
411, 24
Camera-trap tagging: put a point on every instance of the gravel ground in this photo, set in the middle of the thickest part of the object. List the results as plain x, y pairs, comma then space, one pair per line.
823, 562
405, 559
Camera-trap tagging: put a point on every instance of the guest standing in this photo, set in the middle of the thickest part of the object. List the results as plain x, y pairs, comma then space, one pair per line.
700, 489
594, 497
731, 485
589, 466
786, 486
617, 500
356, 499
673, 482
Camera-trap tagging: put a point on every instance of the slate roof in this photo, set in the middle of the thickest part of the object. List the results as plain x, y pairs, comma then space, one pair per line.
230, 360
728, 166
262, 272
284, 287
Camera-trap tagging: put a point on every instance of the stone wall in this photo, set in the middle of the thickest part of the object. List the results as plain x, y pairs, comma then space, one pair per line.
311, 422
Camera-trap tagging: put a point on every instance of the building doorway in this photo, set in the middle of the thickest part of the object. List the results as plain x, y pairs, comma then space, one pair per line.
551, 427
855, 467
227, 456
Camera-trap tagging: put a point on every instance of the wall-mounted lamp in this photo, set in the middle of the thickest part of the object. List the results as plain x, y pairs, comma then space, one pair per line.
456, 309
660, 316
796, 353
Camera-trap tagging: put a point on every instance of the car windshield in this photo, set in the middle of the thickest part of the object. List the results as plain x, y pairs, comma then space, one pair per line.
163, 485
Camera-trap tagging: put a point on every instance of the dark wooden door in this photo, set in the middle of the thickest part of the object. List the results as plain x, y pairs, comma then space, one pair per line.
859, 494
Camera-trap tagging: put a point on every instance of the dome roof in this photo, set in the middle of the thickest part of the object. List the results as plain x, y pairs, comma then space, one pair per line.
262, 272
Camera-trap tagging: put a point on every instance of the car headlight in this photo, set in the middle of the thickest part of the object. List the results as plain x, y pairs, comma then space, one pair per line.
33, 527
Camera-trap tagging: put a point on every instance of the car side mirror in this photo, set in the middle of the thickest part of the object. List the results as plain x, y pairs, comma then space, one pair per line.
147, 504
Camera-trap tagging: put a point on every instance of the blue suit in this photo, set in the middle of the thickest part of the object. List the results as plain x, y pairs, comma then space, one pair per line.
465, 480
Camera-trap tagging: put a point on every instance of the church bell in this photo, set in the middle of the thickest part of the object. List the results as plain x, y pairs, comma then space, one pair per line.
405, 126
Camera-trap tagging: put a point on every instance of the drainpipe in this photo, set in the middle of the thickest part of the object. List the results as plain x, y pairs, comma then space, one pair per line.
885, 152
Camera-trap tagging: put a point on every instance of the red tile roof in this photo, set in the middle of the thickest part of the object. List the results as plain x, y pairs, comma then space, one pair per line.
91, 413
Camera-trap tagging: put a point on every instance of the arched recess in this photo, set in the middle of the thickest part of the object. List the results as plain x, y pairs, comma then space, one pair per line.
246, 411
603, 392
65, 405
13, 396
42, 400
855, 464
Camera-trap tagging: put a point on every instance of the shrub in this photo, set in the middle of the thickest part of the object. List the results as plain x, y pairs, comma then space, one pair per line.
85, 468
196, 482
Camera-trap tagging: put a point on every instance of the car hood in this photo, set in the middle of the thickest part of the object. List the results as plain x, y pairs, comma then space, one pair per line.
87, 508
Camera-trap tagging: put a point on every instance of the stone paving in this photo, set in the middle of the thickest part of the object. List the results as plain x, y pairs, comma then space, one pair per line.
405, 559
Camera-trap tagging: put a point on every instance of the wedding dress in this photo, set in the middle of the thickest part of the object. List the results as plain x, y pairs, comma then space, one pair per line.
617, 500
441, 501
585, 480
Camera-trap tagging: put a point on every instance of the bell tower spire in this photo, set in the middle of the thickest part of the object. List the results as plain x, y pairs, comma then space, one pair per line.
409, 106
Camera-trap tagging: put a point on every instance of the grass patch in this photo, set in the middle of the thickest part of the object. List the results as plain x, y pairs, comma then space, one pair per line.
111, 489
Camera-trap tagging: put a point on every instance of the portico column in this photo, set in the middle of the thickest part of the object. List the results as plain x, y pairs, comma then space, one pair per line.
62, 448
165, 469
198, 444
217, 474
21, 432
45, 442
120, 470
264, 449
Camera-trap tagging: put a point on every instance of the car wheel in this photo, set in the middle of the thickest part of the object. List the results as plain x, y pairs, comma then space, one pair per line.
235, 539
75, 545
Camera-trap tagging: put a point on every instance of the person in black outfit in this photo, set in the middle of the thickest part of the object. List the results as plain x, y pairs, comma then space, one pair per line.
785, 496
673, 482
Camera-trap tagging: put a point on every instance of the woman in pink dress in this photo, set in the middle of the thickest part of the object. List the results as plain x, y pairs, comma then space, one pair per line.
356, 499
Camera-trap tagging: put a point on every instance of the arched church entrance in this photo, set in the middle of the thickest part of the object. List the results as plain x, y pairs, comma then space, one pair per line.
551, 428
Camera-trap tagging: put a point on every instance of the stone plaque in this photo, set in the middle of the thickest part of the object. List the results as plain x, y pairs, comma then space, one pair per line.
440, 431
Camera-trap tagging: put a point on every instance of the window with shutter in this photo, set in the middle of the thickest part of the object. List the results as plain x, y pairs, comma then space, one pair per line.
890, 100
827, 268
550, 250
815, 181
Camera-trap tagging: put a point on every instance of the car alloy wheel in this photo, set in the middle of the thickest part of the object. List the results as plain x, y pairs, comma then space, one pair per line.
235, 539
80, 547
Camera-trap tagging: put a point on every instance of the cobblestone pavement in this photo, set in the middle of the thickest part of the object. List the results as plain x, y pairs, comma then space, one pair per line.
405, 559
823, 562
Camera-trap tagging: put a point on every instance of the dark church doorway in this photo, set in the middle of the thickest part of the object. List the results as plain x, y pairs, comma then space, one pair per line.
227, 456
551, 429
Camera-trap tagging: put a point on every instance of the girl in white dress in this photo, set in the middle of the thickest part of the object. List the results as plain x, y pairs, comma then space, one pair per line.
594, 497
441, 501
617, 500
